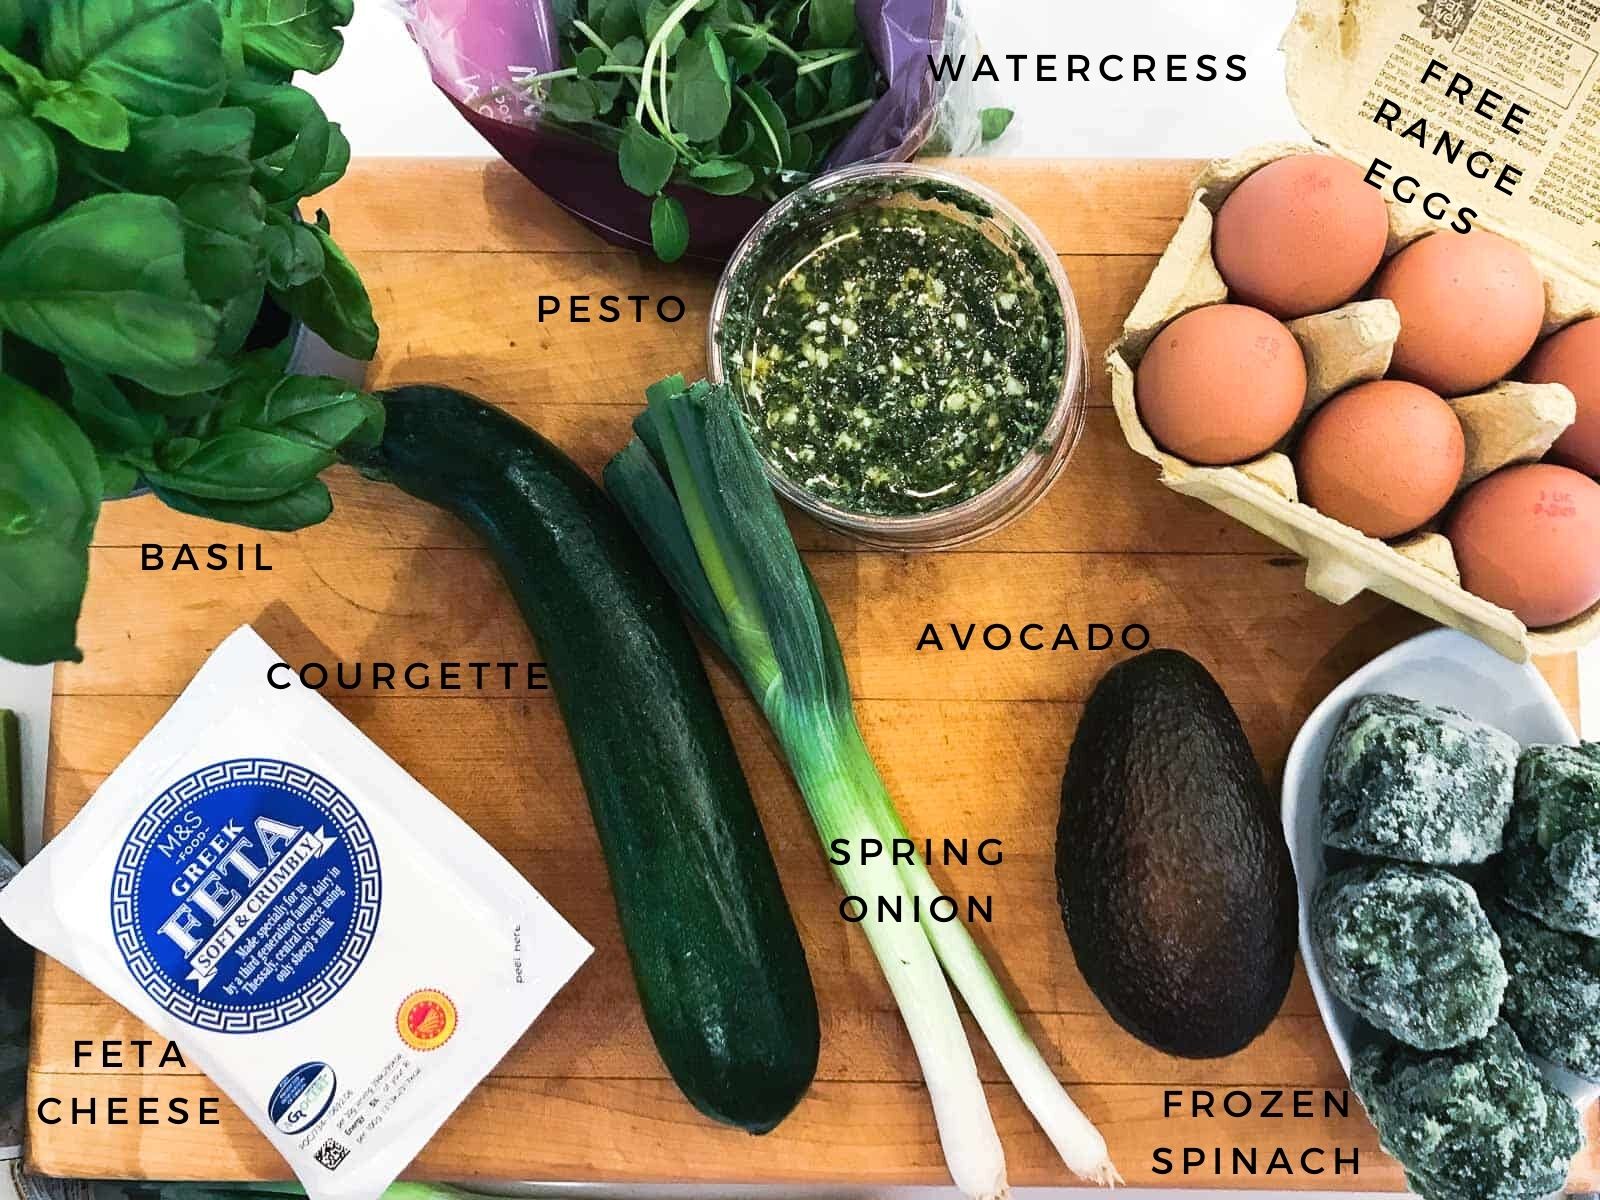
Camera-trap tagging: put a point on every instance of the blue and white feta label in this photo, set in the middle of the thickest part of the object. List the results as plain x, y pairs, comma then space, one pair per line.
246, 895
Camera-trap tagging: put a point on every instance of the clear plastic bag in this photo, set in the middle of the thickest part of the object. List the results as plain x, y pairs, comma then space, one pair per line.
480, 51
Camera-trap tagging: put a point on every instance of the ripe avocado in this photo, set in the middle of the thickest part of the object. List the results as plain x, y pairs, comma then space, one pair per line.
1174, 879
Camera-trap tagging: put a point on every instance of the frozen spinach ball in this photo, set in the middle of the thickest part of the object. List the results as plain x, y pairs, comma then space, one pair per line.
1553, 997
1478, 1122
1410, 949
1552, 863
1408, 781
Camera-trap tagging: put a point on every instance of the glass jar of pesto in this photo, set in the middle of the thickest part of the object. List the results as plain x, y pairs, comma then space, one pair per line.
907, 351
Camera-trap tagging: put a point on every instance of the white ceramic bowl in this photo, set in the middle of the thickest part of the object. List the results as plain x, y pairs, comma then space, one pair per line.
1442, 667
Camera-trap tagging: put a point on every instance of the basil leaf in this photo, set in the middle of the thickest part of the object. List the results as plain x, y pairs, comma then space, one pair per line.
267, 363
242, 464
28, 166
183, 407
91, 117
30, 366
294, 424
30, 82
169, 154
105, 283
335, 304
285, 36
336, 163
995, 122
669, 229
232, 39
321, 412
117, 478
308, 504
293, 252
701, 98
223, 228
155, 57
172, 454
13, 20
49, 503
293, 144
645, 160
106, 415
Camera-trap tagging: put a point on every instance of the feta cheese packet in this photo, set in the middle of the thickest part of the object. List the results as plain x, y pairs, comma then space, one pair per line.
336, 949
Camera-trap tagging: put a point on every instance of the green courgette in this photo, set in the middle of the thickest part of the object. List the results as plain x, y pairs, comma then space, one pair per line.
718, 961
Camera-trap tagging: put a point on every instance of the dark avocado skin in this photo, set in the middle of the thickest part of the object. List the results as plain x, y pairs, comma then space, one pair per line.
1174, 879
718, 962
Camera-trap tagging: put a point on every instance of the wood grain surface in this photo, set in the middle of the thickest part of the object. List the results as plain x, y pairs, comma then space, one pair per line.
972, 743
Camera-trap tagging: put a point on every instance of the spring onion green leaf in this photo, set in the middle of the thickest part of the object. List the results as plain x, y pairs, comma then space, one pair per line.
693, 485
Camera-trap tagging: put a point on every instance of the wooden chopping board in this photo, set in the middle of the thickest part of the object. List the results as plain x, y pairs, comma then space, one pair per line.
972, 743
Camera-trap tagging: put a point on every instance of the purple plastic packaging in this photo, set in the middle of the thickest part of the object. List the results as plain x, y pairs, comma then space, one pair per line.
478, 49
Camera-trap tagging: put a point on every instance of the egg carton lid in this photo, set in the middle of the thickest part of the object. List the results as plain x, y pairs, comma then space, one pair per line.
1345, 58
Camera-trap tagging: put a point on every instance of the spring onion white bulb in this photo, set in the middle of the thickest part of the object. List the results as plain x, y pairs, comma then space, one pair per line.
693, 486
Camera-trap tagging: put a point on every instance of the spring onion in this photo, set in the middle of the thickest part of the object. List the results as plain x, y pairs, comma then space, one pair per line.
693, 486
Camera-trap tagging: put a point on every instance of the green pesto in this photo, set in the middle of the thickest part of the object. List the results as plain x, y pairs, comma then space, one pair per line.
903, 364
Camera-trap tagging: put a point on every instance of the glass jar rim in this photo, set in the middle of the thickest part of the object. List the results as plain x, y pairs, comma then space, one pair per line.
1007, 497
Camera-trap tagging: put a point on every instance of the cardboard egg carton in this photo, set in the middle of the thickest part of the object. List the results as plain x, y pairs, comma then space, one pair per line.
1509, 423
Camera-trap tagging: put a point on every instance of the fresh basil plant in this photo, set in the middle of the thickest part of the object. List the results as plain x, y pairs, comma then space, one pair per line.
153, 157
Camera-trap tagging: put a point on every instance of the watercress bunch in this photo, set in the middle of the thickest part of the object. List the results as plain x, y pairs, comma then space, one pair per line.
733, 97
153, 157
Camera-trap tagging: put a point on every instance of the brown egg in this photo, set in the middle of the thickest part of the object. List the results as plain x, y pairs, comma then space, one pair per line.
1572, 357
1301, 235
1528, 539
1383, 457
1221, 385
1471, 305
